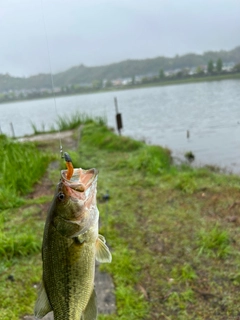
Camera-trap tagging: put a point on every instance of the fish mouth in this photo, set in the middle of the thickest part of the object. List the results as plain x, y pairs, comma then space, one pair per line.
82, 181
81, 190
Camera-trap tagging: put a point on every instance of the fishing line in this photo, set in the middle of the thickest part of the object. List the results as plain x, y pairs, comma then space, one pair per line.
52, 82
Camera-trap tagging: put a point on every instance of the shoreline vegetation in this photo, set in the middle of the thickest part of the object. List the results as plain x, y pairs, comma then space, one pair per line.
173, 230
98, 87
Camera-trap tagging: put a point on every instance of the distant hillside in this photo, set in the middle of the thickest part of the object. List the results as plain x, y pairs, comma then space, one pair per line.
125, 69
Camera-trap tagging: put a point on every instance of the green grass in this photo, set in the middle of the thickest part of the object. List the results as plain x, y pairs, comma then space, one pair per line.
151, 159
16, 238
99, 136
214, 242
174, 233
21, 166
73, 121
168, 230
36, 130
70, 122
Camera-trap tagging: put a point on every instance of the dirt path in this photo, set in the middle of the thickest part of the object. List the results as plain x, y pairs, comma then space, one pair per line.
103, 282
48, 136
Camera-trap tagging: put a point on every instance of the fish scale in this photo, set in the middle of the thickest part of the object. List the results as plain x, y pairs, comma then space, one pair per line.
72, 295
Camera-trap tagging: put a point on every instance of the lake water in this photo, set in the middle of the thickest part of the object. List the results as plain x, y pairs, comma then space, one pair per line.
159, 115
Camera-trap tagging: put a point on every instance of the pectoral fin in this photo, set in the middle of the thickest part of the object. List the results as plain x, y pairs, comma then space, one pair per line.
102, 252
90, 313
42, 306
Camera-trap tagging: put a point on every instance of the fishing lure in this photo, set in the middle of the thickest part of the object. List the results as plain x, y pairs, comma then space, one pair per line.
69, 165
70, 173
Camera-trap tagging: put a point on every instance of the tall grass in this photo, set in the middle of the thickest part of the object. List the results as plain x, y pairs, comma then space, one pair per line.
69, 122
72, 121
21, 166
35, 129
16, 244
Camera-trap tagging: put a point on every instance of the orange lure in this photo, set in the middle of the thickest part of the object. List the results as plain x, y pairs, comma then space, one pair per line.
69, 165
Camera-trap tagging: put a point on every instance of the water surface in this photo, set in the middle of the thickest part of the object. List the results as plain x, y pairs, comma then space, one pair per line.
159, 115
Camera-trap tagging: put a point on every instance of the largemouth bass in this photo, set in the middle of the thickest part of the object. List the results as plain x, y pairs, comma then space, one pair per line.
71, 244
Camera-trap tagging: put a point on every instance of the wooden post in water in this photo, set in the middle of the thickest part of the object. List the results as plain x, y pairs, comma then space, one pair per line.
118, 117
12, 129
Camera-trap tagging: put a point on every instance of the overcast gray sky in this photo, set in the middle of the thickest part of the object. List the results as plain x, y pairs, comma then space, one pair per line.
97, 32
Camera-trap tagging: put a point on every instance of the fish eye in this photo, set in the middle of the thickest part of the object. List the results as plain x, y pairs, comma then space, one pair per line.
61, 196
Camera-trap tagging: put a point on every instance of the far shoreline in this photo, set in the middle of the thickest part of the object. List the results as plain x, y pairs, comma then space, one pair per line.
209, 78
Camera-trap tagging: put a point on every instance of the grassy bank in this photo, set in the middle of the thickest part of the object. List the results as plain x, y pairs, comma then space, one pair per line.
21, 167
173, 232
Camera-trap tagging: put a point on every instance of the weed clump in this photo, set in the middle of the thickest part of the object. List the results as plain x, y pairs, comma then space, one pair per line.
185, 273
186, 182
151, 159
215, 242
